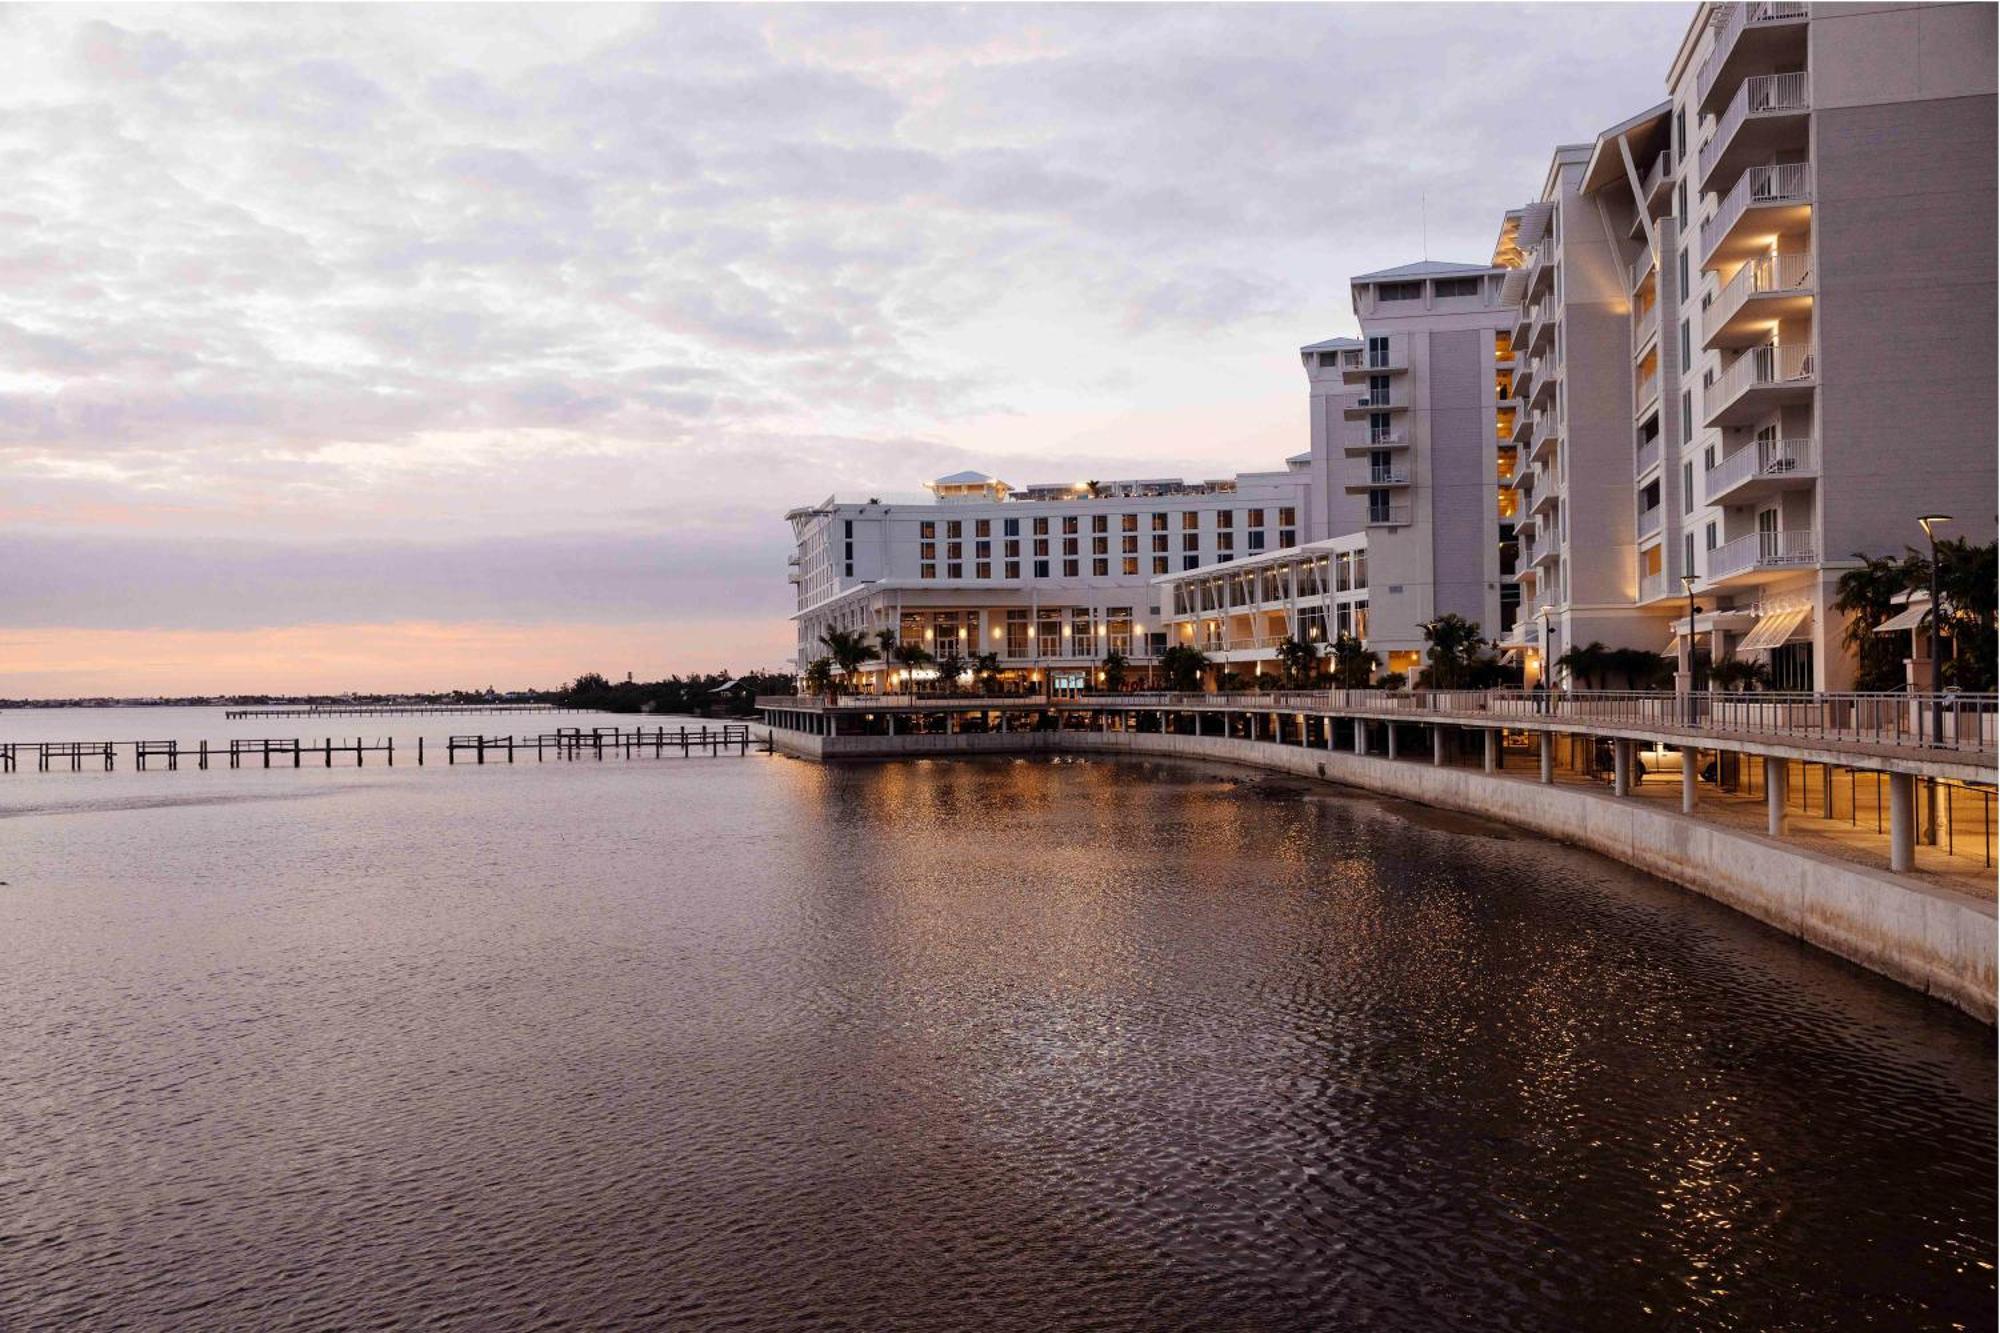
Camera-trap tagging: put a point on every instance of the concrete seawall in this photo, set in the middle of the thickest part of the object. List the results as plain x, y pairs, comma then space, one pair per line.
1932, 940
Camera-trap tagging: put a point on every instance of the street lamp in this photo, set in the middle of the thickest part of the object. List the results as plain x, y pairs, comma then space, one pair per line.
1687, 586
1548, 652
1928, 522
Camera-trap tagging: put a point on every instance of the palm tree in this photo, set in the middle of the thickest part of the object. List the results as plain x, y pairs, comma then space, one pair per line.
1739, 673
1586, 662
908, 656
849, 652
950, 666
1353, 665
819, 678
1182, 665
1114, 671
1867, 597
1966, 576
1455, 645
1299, 660
986, 670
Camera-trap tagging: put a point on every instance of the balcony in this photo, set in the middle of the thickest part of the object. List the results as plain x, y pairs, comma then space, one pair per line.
1525, 370
1546, 501
1767, 200
1766, 115
1542, 331
1388, 516
1765, 290
1377, 439
1761, 380
1541, 266
1379, 477
1547, 551
1397, 401
1395, 361
1649, 458
1652, 587
1524, 424
1757, 553
1547, 371
1645, 328
1548, 434
1763, 469
1658, 187
1645, 393
1650, 520
1760, 32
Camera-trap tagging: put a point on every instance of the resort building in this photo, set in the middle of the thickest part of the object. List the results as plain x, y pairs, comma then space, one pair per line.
1048, 578
1797, 249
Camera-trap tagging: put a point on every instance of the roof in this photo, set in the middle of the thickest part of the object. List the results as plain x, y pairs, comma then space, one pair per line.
1332, 345
1423, 268
963, 479
1606, 163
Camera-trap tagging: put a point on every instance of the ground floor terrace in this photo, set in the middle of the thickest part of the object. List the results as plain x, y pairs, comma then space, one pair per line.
1882, 790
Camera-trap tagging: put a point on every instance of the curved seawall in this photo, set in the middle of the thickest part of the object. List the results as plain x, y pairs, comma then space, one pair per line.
1933, 940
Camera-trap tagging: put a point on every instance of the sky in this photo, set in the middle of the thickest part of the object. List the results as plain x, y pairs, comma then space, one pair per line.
397, 347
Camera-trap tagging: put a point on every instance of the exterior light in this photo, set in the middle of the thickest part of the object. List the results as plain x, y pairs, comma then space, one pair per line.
1928, 520
1930, 523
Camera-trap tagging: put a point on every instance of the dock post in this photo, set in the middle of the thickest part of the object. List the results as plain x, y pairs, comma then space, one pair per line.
329, 751
1689, 770
420, 752
1777, 788
392, 752
1621, 768
510, 749
1548, 774
1902, 822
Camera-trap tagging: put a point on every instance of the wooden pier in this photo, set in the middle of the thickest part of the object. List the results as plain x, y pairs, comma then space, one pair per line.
568, 743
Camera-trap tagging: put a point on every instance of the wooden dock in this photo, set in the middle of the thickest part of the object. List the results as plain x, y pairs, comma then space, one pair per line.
566, 743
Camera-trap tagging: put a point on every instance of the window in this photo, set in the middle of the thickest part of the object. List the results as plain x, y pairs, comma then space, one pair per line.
954, 528
1041, 569
927, 550
1683, 262
1160, 540
952, 571
1017, 634
1160, 563
1069, 545
1686, 347
1713, 537
1128, 545
927, 571
1708, 459
1687, 553
1041, 527
848, 524
1100, 567
982, 550
982, 527
1680, 133
1100, 546
1225, 541
1131, 563
1378, 428
1041, 546
1253, 518
1256, 539
1288, 537
954, 550
1159, 522
1443, 287
982, 569
1010, 527
1399, 291
927, 530
1225, 519
1288, 517
1069, 524
1190, 520
1069, 569
1011, 549
1100, 522
1190, 561
1378, 349
1128, 522
1687, 417
1378, 390
1013, 568
1681, 213
1687, 488
1190, 541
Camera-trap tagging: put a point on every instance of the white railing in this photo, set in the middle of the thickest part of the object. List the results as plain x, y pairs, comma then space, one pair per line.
1388, 476
1766, 458
1647, 390
1729, 24
1763, 94
1649, 521
1761, 366
1384, 437
1644, 325
1790, 271
1764, 550
1649, 458
1777, 183
1652, 587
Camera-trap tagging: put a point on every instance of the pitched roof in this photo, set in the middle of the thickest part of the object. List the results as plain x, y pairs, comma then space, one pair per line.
1332, 345
963, 479
1423, 268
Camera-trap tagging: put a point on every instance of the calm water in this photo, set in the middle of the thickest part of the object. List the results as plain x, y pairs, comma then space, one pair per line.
755, 1044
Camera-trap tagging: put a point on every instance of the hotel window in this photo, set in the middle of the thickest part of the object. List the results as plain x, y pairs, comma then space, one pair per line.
1681, 215
1190, 520
1711, 538
1017, 634
1455, 287
1011, 549
927, 530
1041, 527
927, 571
1041, 569
1687, 488
1680, 133
1013, 569
1190, 541
1399, 291
982, 527
1378, 390
1378, 428
1082, 634
1708, 459
1160, 541
1041, 546
1288, 517
1128, 522
982, 569
848, 525
1225, 518
1223, 557
1129, 545
1100, 522
1378, 349
1683, 262
1190, 561
1687, 417
1159, 522
954, 550
1069, 569
954, 528
1010, 527
1225, 541
1256, 539
1687, 553
1131, 564
1686, 348
1100, 567
1100, 546
1288, 537
1048, 628
927, 550
1253, 518
1069, 545
1160, 563
982, 550
953, 571
1069, 523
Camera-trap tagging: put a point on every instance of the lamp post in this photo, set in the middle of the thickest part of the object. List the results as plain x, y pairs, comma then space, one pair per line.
1548, 657
1687, 586
1929, 522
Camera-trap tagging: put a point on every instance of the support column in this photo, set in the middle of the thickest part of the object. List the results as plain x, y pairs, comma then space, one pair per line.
1389, 730
1777, 784
1902, 822
1621, 768
1360, 735
1437, 746
1491, 759
1548, 774
1690, 774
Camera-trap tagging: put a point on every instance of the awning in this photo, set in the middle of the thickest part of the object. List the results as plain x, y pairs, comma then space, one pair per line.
1909, 618
1773, 629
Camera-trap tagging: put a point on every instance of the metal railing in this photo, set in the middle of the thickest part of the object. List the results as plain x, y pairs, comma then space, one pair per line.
1388, 476
1646, 392
1658, 174
1645, 325
1652, 587
1779, 183
1648, 459
1649, 521
1764, 550
1729, 24
1762, 367
1786, 272
1761, 94
1765, 458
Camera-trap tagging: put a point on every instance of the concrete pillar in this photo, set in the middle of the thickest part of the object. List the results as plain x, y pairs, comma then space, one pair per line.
891, 717
1305, 737
1327, 721
1491, 759
1777, 784
1548, 758
1389, 730
1902, 822
1621, 768
1360, 735
1437, 746
1690, 773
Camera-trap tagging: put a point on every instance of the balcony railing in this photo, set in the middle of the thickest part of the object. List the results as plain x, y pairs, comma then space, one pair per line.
1652, 587
1763, 94
1649, 521
1790, 271
1649, 458
1777, 183
1657, 175
1766, 458
1388, 476
1731, 22
1647, 389
1388, 516
1764, 550
1762, 367
1644, 325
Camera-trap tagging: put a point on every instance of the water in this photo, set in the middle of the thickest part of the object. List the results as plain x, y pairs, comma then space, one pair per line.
758, 1044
